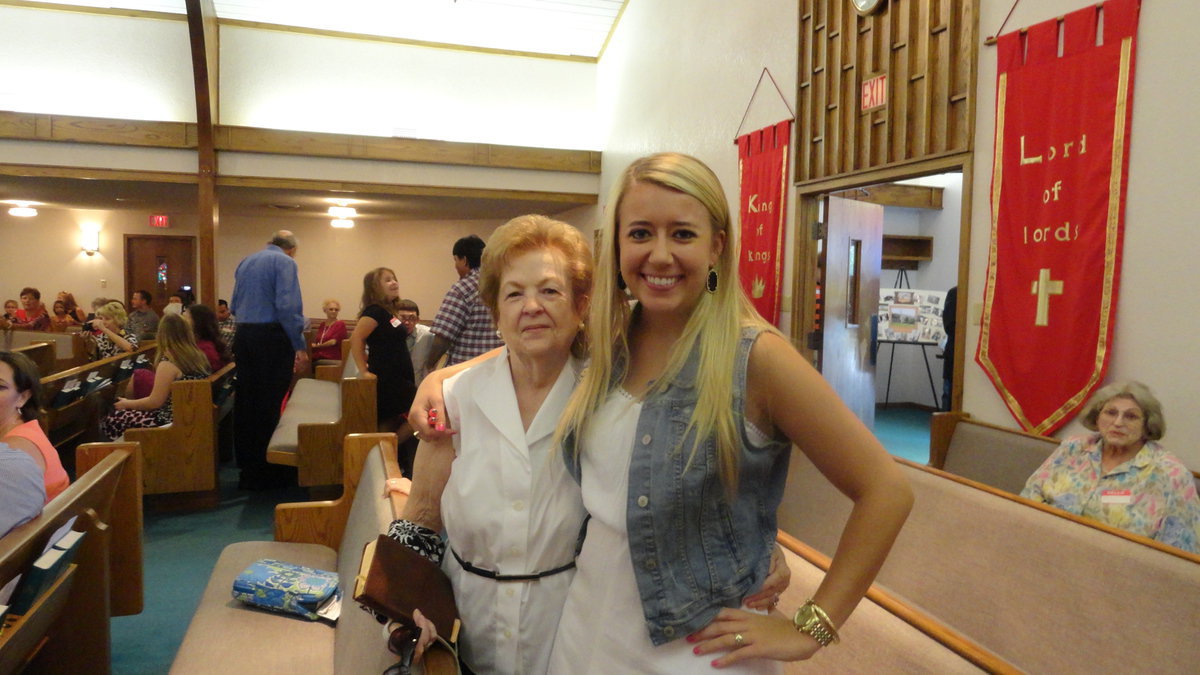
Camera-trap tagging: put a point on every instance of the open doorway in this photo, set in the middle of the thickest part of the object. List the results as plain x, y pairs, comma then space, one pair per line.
922, 234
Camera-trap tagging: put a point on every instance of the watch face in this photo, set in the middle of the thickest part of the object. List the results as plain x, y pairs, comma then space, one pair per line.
867, 6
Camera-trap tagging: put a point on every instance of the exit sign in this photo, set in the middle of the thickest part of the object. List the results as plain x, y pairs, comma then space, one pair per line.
159, 220
874, 92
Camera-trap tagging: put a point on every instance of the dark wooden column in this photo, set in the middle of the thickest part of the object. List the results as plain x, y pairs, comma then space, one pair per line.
202, 28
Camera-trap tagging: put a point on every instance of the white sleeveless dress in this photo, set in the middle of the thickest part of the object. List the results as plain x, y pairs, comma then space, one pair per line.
603, 628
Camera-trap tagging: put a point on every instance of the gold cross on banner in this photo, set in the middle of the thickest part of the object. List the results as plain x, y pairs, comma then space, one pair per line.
1043, 288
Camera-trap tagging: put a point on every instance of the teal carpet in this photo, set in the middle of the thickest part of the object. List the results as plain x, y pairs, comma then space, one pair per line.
904, 432
180, 551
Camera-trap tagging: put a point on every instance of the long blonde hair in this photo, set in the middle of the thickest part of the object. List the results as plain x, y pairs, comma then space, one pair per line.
177, 345
715, 323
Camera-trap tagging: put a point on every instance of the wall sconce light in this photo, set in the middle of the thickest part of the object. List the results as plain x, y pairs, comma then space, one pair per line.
22, 210
89, 241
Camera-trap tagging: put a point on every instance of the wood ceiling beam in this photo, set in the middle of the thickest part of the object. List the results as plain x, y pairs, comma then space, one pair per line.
88, 173
205, 43
70, 128
581, 198
896, 194
109, 131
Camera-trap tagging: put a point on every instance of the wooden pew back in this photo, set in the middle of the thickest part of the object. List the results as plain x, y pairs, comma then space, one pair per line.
884, 634
70, 348
69, 421
42, 355
1045, 590
184, 457
68, 629
316, 452
990, 454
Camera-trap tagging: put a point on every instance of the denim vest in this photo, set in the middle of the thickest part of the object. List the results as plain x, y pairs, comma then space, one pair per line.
693, 551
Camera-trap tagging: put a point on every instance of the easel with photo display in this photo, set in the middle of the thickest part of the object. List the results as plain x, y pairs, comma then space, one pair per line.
925, 316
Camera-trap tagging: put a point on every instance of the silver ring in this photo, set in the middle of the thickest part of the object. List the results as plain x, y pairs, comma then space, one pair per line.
417, 435
738, 640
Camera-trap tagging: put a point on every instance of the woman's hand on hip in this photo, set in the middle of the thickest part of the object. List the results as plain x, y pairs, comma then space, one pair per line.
763, 636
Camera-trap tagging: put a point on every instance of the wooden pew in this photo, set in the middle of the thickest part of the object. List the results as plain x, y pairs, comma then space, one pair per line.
67, 629
1044, 590
884, 634
319, 414
70, 422
182, 459
993, 455
70, 348
42, 355
227, 637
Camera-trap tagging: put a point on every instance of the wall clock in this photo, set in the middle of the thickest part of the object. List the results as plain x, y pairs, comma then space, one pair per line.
867, 6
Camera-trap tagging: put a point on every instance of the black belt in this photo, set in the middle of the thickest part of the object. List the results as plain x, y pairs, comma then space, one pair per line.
495, 576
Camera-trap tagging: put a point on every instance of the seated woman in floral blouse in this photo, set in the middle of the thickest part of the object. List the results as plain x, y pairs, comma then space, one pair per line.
1121, 475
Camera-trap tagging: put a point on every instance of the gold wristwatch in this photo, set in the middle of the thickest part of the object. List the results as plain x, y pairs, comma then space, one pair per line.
812, 620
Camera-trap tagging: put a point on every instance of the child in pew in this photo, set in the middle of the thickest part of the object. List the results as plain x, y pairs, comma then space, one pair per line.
176, 358
20, 403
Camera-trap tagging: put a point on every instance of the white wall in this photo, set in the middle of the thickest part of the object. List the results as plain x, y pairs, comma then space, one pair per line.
311, 83
678, 75
1158, 311
92, 65
910, 379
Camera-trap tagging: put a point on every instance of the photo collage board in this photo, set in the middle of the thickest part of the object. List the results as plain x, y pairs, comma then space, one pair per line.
911, 315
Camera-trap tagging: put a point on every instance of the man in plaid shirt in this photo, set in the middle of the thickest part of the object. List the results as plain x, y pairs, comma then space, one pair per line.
463, 325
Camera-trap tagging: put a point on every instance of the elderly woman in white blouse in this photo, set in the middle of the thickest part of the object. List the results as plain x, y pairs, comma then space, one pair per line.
511, 513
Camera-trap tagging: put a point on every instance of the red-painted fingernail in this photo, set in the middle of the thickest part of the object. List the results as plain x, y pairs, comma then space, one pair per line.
441, 427
695, 650
691, 638
714, 664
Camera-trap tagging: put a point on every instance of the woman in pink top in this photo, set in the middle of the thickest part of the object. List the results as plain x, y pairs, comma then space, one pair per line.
20, 388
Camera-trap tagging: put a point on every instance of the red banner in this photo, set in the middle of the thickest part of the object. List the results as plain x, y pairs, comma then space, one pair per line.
1058, 201
763, 170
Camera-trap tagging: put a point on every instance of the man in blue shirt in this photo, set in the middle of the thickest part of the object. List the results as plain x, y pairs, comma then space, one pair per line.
268, 348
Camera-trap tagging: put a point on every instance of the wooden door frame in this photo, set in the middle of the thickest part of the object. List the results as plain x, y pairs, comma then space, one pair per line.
808, 196
127, 267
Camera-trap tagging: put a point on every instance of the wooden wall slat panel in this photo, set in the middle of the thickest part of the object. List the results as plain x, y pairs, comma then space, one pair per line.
926, 49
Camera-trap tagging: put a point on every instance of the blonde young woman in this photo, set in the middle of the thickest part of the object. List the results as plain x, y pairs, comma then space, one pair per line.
680, 432
380, 332
109, 331
177, 358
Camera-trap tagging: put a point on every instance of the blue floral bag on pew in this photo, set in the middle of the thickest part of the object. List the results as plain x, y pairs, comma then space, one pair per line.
290, 589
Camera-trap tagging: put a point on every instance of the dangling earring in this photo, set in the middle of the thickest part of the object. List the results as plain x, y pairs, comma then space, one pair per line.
712, 280
620, 281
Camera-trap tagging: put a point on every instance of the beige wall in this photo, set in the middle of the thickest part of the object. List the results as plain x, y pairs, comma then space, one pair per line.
44, 252
1158, 312
679, 75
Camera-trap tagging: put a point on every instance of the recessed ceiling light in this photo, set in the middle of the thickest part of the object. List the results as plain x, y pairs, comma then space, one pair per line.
342, 223
342, 212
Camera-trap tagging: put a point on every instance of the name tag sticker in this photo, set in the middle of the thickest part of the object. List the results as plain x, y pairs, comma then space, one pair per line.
395, 322
1116, 497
